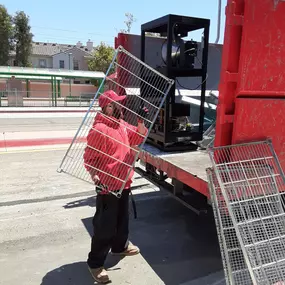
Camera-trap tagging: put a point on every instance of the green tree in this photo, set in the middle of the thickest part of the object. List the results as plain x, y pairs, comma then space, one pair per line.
101, 59
23, 39
129, 22
6, 34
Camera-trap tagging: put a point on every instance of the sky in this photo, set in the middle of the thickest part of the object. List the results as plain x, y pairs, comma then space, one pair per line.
68, 22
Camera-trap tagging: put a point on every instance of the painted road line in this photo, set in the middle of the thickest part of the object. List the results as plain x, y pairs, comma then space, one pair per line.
41, 115
24, 150
34, 148
38, 142
47, 111
40, 109
10, 136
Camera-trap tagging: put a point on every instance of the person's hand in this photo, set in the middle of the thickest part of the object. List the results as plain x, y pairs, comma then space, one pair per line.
100, 188
96, 179
143, 112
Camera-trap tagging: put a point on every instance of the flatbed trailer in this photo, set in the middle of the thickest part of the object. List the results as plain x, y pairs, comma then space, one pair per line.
183, 172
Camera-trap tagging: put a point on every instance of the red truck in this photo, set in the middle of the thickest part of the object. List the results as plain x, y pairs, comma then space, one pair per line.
248, 73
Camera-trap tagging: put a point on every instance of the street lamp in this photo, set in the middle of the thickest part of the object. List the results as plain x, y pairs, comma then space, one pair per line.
69, 55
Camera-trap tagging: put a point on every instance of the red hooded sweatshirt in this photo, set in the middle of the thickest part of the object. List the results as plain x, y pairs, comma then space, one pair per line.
110, 150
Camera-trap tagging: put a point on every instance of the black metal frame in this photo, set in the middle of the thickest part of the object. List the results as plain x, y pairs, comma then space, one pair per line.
166, 25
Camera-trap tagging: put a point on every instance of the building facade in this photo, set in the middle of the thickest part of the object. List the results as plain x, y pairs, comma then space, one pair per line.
63, 56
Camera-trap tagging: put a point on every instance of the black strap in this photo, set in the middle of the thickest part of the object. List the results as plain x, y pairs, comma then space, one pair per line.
134, 205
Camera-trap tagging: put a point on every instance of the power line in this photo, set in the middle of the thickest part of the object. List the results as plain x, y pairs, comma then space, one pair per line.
72, 31
49, 37
61, 37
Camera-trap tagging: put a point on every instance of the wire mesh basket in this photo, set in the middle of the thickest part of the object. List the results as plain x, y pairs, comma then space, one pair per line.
252, 184
208, 137
235, 268
107, 143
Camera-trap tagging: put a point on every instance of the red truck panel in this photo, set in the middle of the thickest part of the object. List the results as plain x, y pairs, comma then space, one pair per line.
252, 86
229, 71
263, 49
252, 79
259, 119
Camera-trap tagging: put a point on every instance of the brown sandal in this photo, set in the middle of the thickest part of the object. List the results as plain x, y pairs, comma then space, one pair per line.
129, 251
99, 275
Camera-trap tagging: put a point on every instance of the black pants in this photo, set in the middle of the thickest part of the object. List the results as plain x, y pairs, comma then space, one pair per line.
111, 227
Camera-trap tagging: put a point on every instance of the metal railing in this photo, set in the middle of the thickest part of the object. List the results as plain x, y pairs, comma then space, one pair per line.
34, 98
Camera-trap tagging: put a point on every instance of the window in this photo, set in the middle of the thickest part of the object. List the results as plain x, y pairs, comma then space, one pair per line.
75, 65
61, 64
42, 63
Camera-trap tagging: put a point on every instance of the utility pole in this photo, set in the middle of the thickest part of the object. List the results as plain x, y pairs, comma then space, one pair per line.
69, 55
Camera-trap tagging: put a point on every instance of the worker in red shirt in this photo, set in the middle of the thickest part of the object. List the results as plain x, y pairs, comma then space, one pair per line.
108, 158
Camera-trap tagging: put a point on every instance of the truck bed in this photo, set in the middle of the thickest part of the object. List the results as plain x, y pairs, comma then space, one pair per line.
187, 167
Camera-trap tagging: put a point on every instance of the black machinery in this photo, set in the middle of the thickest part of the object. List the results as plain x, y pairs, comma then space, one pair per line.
173, 129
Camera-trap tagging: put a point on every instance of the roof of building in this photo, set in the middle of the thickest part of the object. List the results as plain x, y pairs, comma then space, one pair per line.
49, 49
43, 72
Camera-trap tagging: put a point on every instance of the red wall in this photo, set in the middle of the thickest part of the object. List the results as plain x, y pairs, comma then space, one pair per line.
43, 90
252, 86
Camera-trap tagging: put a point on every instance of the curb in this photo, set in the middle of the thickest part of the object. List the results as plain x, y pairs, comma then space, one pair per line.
45, 111
38, 142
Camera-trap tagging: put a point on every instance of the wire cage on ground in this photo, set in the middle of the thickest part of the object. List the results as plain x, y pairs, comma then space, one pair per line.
235, 268
252, 185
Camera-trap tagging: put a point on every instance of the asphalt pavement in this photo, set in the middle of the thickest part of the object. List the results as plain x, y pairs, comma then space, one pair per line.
45, 226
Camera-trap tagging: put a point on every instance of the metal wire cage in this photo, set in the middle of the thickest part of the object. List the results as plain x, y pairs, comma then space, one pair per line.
252, 184
208, 137
235, 268
107, 143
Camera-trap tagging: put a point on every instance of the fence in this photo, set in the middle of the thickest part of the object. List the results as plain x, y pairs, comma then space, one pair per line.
15, 98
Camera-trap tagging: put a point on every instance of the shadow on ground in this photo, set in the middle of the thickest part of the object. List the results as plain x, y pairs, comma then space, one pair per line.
180, 246
91, 201
76, 273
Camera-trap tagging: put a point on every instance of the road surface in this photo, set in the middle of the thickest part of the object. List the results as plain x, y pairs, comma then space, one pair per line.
45, 226
39, 122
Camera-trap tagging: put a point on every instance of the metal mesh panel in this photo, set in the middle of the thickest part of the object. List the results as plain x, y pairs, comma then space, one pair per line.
208, 137
235, 268
253, 184
106, 146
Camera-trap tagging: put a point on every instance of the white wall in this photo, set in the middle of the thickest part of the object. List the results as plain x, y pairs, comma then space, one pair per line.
34, 59
79, 56
65, 57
